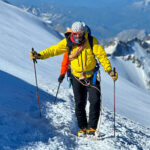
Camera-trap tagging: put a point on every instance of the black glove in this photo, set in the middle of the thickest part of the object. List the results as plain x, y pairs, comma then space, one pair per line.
61, 77
113, 74
34, 55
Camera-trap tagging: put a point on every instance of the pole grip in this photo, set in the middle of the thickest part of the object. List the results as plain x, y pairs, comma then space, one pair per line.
114, 70
33, 51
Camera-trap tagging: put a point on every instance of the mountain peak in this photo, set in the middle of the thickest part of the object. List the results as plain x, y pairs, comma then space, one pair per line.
135, 51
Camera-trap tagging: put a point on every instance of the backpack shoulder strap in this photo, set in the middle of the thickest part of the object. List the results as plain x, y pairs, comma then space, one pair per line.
70, 48
90, 38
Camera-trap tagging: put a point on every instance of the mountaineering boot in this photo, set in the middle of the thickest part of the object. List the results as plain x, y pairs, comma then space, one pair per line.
82, 132
91, 131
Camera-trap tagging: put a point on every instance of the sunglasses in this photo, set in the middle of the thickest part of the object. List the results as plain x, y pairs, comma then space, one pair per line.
78, 33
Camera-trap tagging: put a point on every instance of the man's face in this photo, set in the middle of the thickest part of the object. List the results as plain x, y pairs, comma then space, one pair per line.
78, 36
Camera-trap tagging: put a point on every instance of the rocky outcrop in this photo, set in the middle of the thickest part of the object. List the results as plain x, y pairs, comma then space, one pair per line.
136, 51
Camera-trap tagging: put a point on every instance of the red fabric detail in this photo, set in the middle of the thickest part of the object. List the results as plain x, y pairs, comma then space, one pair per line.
64, 64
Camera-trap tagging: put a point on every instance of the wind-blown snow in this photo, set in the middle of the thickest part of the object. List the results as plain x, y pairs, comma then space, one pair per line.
21, 127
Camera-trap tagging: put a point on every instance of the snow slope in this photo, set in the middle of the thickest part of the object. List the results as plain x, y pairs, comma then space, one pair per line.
20, 125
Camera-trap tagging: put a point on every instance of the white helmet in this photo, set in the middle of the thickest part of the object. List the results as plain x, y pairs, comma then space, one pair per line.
78, 26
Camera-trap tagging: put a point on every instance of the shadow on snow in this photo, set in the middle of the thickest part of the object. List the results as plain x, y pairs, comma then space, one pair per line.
20, 122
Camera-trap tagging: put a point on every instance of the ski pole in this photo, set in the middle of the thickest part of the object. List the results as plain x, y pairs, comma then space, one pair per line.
114, 69
57, 93
35, 61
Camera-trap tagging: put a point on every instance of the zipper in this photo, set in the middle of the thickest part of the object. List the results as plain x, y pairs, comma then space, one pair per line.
85, 57
82, 62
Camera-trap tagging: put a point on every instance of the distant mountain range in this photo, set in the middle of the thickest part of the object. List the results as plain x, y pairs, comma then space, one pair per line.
106, 18
135, 51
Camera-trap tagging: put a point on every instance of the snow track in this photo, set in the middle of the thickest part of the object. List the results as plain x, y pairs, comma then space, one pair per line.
63, 126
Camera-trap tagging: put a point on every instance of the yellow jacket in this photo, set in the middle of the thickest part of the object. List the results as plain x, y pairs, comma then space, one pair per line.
85, 60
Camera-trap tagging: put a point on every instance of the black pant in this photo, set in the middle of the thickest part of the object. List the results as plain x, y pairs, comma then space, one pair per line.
80, 94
